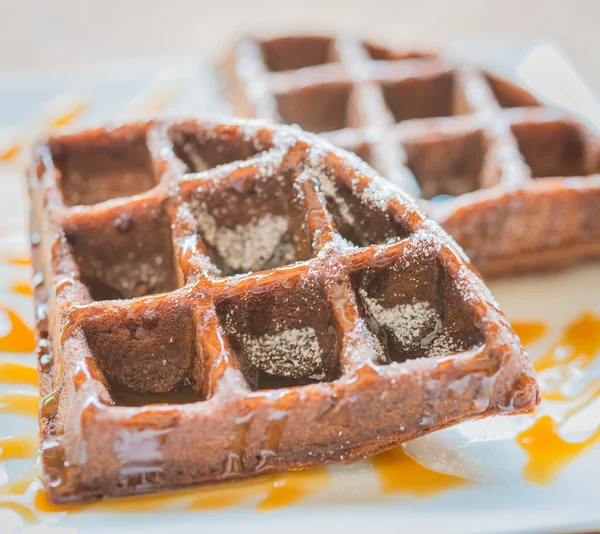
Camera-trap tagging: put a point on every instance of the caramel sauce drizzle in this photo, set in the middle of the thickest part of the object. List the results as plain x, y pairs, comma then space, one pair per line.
548, 452
133, 504
399, 473
13, 150
17, 373
18, 447
18, 260
581, 341
290, 488
529, 331
276, 491
25, 404
20, 337
10, 153
24, 288
68, 116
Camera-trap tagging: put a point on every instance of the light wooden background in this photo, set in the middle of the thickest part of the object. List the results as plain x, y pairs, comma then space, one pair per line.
34, 33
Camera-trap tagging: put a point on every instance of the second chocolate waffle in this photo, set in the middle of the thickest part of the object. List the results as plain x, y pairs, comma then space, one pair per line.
516, 182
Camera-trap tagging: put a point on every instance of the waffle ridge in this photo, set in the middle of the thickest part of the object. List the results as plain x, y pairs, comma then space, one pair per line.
226, 303
514, 181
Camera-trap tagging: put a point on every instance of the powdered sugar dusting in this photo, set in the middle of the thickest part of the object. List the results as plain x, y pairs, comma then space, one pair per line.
292, 353
131, 278
286, 137
410, 325
379, 194
270, 162
472, 288
330, 190
255, 246
338, 245
379, 349
315, 158
442, 344
317, 155
423, 243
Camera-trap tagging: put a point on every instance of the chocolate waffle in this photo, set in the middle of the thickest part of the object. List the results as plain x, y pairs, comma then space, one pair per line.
516, 183
217, 301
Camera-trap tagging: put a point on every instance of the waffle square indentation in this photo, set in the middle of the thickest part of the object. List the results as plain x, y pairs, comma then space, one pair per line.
296, 52
318, 108
447, 164
124, 252
283, 335
103, 166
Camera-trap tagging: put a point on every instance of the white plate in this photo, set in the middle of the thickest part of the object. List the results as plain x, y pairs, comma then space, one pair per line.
493, 487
